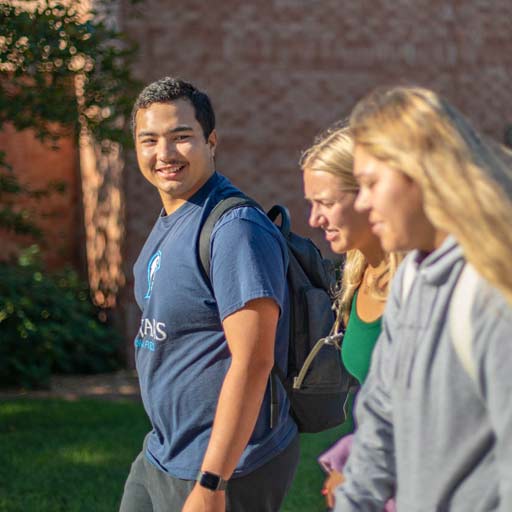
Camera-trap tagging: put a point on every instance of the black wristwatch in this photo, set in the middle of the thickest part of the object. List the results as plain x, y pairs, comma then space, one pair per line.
211, 481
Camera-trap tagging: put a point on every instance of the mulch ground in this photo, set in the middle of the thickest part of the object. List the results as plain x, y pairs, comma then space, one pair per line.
121, 385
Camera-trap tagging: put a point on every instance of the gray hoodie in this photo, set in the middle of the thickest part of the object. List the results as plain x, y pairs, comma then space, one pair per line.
426, 430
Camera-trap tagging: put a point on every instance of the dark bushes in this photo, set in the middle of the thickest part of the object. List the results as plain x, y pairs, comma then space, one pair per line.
48, 324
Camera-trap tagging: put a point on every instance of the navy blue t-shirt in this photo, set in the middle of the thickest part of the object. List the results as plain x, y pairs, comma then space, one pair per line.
181, 352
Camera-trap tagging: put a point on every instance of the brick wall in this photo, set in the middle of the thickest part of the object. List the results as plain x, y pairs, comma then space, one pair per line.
58, 215
280, 71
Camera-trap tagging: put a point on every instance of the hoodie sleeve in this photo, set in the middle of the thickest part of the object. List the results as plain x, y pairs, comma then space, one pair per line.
492, 351
370, 470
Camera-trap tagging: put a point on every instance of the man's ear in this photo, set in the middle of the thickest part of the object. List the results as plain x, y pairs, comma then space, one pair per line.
212, 141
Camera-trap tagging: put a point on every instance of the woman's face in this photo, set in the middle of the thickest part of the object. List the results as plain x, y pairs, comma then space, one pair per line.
394, 204
332, 209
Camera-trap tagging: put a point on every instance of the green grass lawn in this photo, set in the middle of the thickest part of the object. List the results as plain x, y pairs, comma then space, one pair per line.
74, 456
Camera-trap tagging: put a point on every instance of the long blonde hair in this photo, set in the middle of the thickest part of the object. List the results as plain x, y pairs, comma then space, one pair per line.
332, 152
465, 179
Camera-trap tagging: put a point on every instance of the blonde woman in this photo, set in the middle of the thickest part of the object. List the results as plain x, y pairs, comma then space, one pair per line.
431, 431
331, 189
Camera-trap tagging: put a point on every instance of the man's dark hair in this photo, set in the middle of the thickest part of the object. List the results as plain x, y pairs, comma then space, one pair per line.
169, 89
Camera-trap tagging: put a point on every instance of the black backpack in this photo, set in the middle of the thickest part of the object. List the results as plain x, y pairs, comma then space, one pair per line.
316, 382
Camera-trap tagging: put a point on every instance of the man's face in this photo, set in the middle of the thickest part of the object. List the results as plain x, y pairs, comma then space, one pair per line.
172, 152
394, 203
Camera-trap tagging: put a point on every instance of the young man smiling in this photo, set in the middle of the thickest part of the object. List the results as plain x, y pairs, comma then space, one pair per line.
204, 368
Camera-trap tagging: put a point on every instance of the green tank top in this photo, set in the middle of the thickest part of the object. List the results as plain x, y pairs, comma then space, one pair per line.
358, 342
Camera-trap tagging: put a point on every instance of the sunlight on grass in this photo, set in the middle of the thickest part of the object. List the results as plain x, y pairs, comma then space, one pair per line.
85, 457
14, 407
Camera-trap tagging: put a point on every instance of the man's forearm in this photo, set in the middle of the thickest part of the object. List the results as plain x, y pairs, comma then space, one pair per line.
237, 411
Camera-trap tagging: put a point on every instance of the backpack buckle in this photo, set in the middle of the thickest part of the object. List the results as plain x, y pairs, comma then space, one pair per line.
334, 339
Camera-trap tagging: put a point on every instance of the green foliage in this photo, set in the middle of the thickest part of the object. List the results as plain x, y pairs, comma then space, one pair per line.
61, 69
48, 324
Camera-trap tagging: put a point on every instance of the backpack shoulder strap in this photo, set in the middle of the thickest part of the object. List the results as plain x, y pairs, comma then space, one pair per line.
222, 207
459, 314
460, 318
408, 277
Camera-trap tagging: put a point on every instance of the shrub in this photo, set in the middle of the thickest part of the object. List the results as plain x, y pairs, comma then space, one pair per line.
49, 324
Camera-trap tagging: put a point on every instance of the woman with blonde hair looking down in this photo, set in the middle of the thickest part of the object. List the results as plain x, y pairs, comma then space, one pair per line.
435, 413
331, 189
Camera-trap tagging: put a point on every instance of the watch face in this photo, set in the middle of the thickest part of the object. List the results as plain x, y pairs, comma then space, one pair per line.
210, 481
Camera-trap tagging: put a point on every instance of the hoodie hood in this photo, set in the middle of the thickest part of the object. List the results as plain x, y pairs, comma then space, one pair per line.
438, 265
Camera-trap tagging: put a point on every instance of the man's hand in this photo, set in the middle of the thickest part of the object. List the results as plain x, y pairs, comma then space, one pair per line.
204, 500
331, 482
